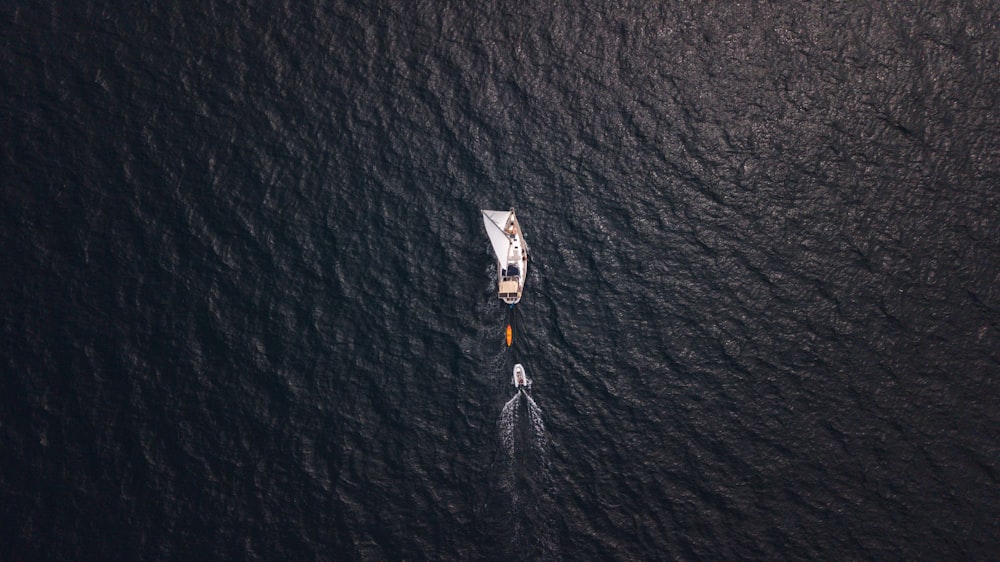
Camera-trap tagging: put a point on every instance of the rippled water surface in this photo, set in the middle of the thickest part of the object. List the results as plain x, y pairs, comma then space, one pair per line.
249, 312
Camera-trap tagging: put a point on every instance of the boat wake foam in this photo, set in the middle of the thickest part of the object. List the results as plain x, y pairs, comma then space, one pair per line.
526, 477
513, 437
508, 424
538, 428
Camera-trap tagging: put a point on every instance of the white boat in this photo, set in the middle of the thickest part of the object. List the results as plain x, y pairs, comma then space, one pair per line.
511, 251
521, 380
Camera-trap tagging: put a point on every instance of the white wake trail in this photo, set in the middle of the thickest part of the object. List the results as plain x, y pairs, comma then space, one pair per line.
508, 422
508, 425
537, 426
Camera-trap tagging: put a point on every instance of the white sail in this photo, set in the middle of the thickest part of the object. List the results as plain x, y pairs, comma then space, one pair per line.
495, 222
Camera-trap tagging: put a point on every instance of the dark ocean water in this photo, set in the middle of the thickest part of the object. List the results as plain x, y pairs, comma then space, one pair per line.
248, 306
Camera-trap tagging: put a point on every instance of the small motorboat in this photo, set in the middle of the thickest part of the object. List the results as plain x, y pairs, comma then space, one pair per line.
521, 380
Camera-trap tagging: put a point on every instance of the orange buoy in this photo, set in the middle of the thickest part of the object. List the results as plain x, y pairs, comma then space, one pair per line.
510, 335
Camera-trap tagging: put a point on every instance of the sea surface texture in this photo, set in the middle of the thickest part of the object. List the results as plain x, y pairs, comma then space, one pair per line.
249, 308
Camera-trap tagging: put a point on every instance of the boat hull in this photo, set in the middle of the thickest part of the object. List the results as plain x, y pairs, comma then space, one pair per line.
520, 378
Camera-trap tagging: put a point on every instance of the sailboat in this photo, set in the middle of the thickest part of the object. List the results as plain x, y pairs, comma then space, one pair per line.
511, 252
